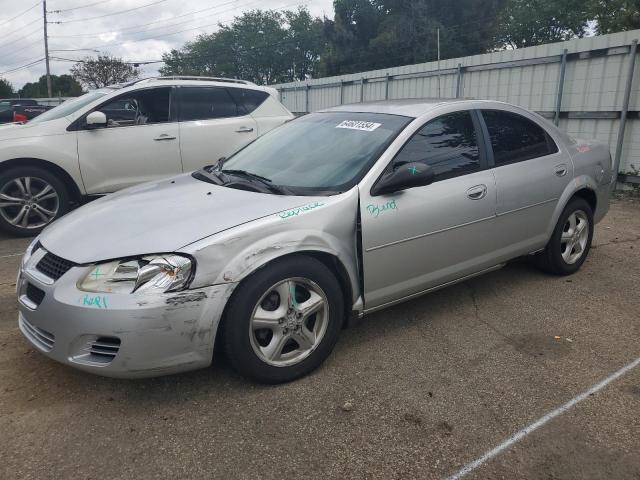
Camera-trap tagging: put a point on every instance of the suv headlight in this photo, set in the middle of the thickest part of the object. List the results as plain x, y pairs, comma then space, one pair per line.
152, 273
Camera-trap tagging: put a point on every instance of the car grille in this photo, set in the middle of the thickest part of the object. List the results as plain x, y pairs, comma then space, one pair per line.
34, 294
38, 336
103, 349
53, 266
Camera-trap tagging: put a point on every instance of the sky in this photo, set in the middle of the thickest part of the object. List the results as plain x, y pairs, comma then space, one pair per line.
143, 31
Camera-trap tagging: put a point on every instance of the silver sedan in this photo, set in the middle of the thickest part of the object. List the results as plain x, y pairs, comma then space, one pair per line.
270, 253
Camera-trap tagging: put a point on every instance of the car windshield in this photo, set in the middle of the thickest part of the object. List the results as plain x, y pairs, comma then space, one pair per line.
320, 153
70, 106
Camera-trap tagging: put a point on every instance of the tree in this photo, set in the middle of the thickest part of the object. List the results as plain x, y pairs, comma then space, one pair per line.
61, 85
526, 23
102, 71
371, 34
261, 46
616, 15
6, 89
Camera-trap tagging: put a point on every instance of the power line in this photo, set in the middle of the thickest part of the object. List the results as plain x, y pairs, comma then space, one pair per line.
110, 14
13, 54
153, 37
20, 14
126, 29
22, 67
81, 6
6, 35
19, 39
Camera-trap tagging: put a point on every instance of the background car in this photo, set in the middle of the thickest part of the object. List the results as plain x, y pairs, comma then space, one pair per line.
337, 214
20, 109
119, 136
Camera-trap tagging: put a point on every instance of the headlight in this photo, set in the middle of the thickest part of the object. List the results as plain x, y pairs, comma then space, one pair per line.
153, 273
29, 251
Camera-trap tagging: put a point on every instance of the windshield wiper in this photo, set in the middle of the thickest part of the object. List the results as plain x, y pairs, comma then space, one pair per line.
255, 177
207, 176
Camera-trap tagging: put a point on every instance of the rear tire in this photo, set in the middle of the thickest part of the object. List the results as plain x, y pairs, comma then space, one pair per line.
284, 320
30, 199
571, 240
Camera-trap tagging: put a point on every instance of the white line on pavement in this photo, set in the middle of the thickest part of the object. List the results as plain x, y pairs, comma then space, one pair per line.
12, 255
470, 467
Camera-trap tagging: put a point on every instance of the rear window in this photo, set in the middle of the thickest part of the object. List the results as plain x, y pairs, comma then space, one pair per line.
248, 100
515, 138
203, 103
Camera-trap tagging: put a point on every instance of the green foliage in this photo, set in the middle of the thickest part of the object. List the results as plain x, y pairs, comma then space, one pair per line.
6, 89
526, 23
61, 86
371, 34
261, 46
102, 71
616, 15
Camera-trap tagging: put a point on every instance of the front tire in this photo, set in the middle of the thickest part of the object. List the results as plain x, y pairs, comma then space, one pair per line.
284, 320
570, 243
30, 199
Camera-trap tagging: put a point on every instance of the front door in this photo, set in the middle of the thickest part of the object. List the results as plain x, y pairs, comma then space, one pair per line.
139, 143
423, 237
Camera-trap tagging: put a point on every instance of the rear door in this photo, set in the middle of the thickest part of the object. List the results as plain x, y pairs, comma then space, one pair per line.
138, 144
212, 125
426, 236
531, 173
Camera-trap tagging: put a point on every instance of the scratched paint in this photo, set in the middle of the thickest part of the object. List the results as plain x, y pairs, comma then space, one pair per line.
375, 210
94, 301
294, 212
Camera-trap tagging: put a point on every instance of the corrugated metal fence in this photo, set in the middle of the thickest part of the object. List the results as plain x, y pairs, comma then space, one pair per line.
588, 86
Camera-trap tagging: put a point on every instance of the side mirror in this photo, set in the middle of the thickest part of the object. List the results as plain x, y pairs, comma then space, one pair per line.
406, 176
96, 120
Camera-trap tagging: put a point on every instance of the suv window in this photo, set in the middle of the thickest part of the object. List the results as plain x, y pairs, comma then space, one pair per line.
515, 138
448, 144
248, 100
139, 107
202, 103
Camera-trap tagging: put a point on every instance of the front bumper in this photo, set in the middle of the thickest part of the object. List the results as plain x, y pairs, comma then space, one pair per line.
119, 335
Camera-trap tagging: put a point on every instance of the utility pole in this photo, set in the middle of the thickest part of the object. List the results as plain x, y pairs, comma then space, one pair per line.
46, 47
438, 63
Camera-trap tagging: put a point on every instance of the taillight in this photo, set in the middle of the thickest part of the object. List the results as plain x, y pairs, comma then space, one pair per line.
19, 117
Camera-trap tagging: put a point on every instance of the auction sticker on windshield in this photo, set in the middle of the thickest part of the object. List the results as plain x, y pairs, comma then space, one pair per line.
359, 125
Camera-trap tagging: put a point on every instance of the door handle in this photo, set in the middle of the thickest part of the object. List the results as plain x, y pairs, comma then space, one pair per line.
560, 170
164, 136
477, 193
244, 130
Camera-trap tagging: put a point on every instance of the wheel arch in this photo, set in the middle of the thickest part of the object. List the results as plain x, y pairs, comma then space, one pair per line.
72, 187
582, 187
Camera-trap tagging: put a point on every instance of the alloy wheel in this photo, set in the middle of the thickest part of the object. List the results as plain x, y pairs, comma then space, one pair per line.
28, 202
289, 322
574, 238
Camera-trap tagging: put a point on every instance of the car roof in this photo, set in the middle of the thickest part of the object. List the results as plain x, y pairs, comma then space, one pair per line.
191, 81
414, 107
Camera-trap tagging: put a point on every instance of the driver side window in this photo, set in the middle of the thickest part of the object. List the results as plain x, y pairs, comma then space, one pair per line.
140, 107
448, 144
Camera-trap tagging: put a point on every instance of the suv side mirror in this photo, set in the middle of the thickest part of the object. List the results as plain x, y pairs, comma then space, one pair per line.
96, 120
409, 175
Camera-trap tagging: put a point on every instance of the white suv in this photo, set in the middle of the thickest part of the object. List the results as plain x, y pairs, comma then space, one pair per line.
122, 135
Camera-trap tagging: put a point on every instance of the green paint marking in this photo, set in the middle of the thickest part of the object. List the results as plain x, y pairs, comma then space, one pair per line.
376, 209
96, 273
292, 292
414, 170
294, 212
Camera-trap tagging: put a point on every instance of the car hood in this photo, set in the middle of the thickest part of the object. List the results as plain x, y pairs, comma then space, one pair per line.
157, 217
11, 131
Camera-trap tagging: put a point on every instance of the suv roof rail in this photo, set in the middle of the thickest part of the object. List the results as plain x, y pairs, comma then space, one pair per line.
209, 79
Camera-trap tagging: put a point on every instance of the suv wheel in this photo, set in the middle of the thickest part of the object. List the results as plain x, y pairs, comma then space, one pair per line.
284, 320
571, 240
30, 199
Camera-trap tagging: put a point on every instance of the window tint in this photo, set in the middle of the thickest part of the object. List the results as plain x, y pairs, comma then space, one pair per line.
515, 138
138, 108
202, 103
447, 144
248, 100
